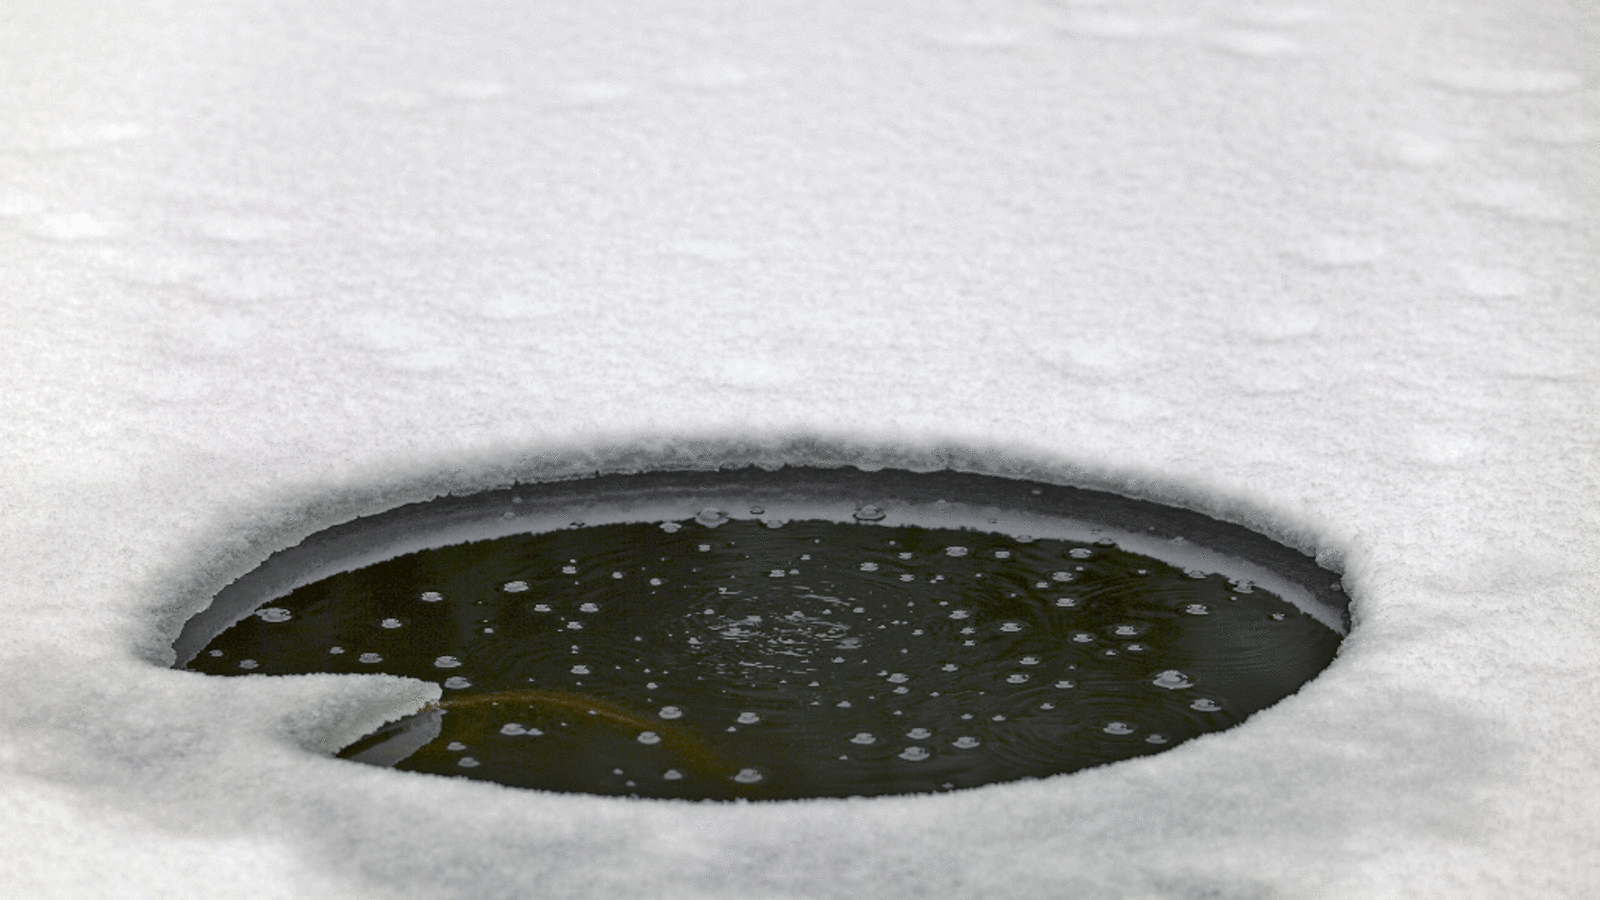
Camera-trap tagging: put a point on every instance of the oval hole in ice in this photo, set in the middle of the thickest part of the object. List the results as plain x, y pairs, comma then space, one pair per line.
785, 634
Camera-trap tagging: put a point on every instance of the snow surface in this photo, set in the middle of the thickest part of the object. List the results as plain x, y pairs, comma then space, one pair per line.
1328, 268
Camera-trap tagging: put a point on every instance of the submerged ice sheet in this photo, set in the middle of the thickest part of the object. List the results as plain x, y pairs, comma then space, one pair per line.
1325, 269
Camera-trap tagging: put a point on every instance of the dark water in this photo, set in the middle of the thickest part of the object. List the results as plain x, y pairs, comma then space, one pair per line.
723, 659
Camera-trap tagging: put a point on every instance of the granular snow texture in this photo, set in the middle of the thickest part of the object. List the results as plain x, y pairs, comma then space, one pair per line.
1328, 269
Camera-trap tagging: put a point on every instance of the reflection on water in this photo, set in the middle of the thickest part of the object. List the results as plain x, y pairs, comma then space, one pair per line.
727, 658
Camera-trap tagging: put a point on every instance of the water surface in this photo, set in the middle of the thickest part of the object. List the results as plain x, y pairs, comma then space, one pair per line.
724, 657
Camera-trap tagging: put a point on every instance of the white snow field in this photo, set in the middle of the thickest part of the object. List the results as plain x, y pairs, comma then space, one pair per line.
1326, 268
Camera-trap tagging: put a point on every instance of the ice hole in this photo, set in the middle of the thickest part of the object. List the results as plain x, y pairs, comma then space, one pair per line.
785, 634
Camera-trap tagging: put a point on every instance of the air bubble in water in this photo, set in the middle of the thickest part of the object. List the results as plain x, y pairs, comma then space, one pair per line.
670, 712
371, 657
955, 551
447, 662
248, 664
711, 517
514, 587
748, 776
431, 597
649, 737
863, 737
1172, 680
456, 683
1197, 609
588, 608
1010, 626
1118, 728
580, 670
672, 775
467, 762
869, 513
919, 734
512, 729
965, 742
748, 718
671, 528
915, 754
1205, 705
274, 614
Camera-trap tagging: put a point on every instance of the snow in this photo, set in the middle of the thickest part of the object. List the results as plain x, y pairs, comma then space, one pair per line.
1325, 268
